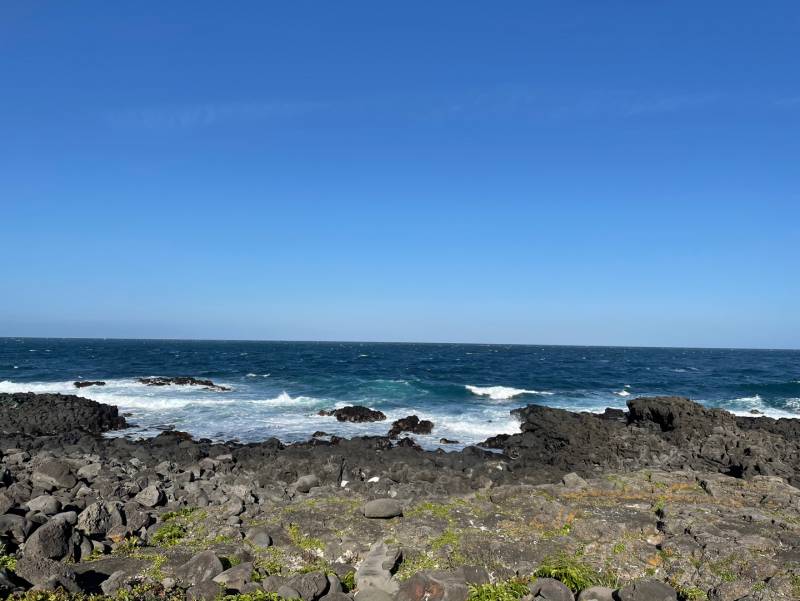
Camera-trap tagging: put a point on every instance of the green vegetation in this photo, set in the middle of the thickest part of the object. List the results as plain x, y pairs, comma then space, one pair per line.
184, 513
349, 581
416, 563
618, 548
254, 596
511, 590
229, 562
307, 543
126, 547
448, 538
271, 560
9, 562
169, 535
691, 593
574, 573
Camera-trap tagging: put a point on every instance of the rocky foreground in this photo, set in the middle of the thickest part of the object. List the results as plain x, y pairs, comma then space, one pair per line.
666, 501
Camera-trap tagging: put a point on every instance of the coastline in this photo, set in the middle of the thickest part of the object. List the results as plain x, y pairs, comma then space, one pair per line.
664, 494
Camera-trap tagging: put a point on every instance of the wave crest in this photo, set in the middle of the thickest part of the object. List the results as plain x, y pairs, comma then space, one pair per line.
501, 393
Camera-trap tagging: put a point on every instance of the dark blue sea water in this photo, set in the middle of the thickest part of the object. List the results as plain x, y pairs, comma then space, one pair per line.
467, 390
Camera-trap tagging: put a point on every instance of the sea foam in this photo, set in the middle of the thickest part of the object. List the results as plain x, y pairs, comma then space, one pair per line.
502, 393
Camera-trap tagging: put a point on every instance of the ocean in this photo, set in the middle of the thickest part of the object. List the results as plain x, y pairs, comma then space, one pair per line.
467, 390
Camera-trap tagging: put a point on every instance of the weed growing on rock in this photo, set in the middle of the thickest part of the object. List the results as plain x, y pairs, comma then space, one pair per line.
254, 596
9, 562
691, 594
169, 535
511, 590
307, 543
416, 563
573, 572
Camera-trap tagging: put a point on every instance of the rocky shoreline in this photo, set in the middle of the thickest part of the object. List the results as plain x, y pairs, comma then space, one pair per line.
669, 500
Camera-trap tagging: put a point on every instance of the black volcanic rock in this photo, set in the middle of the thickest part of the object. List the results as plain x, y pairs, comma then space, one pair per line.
355, 413
87, 383
410, 424
44, 414
182, 381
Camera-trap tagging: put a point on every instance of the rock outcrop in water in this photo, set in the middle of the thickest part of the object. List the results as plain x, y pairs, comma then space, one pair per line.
87, 383
411, 424
355, 413
182, 381
667, 499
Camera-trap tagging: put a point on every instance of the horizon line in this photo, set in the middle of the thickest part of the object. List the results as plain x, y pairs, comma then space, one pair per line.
286, 341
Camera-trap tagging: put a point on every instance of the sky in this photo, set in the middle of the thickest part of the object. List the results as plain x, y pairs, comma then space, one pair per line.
599, 173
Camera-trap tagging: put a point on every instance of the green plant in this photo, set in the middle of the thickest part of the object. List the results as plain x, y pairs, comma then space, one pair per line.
691, 593
254, 596
126, 547
349, 581
416, 563
618, 548
511, 590
169, 534
184, 512
271, 560
229, 562
9, 562
574, 573
307, 543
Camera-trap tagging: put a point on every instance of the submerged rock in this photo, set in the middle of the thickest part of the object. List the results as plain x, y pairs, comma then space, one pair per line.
182, 381
87, 383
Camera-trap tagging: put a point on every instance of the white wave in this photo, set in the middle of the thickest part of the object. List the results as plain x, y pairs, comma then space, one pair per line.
501, 393
622, 393
283, 399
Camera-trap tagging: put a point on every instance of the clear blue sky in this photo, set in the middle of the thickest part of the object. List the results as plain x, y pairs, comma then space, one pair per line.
544, 172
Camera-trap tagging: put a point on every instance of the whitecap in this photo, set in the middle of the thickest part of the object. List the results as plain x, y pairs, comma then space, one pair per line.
622, 393
501, 393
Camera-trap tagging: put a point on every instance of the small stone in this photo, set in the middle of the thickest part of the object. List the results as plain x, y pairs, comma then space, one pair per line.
311, 586
236, 577
647, 590
258, 537
287, 592
597, 593
549, 589
152, 496
306, 483
208, 590
383, 509
573, 480
45, 504
113, 583
203, 566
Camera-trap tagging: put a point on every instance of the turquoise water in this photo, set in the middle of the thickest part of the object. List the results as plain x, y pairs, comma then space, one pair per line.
466, 390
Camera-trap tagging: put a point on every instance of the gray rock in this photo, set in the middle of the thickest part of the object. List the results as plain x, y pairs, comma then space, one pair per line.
647, 590
258, 537
434, 586
47, 573
236, 577
45, 504
113, 583
90, 472
6, 503
573, 480
203, 566
311, 586
98, 518
54, 474
375, 570
152, 496
383, 509
549, 589
287, 592
51, 541
306, 483
336, 596
14, 526
208, 590
68, 516
597, 593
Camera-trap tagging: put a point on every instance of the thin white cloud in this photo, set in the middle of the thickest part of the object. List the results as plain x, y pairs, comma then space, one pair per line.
206, 115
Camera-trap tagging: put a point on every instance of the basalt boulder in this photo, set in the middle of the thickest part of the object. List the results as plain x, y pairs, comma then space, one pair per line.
412, 424
355, 413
